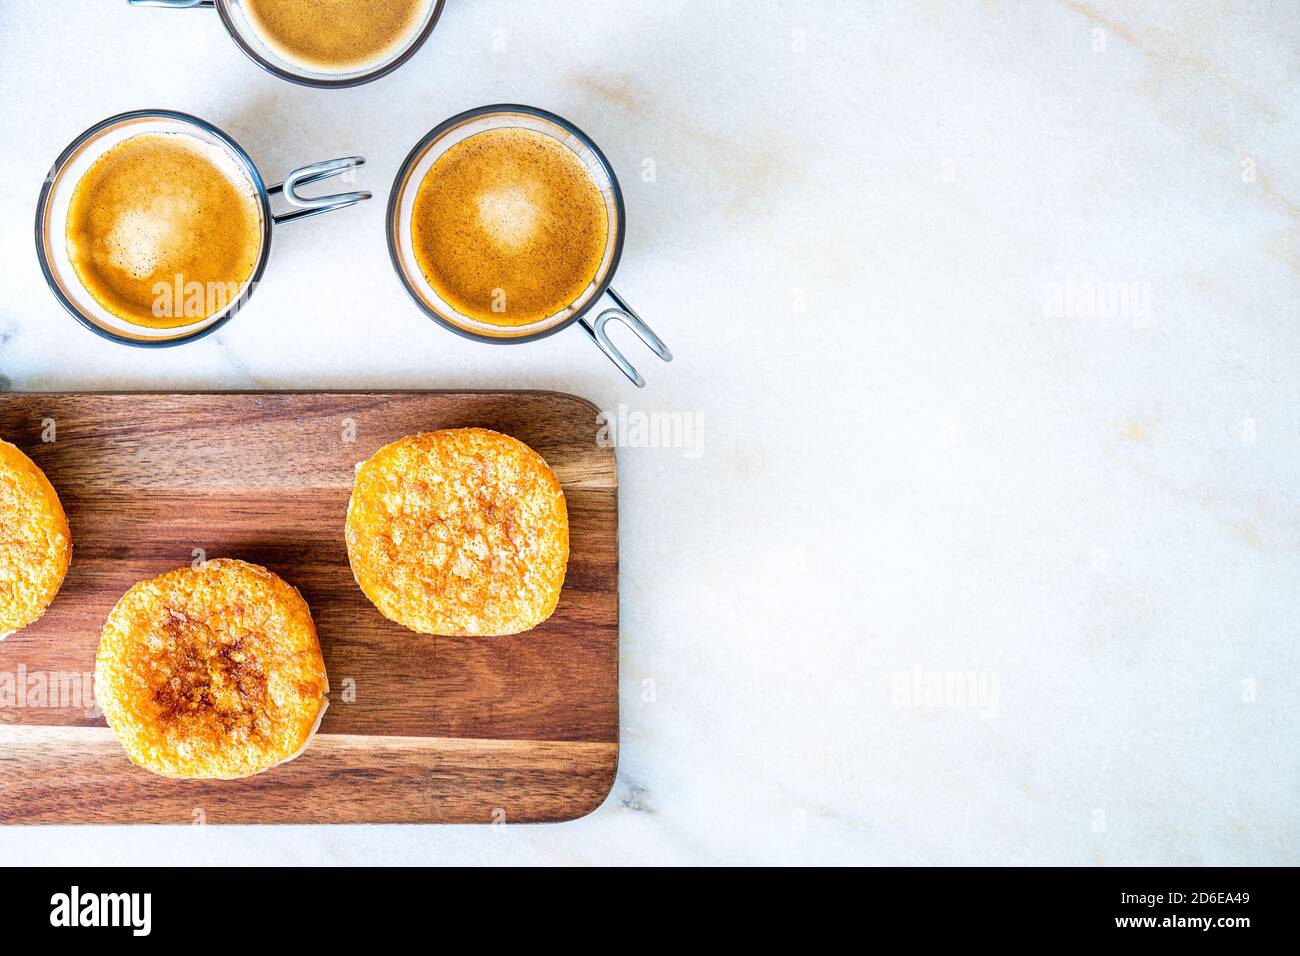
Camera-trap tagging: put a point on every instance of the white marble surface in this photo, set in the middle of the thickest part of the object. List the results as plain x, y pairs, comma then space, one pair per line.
871, 241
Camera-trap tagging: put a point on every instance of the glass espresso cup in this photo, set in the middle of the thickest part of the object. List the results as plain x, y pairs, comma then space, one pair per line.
74, 162
236, 20
401, 205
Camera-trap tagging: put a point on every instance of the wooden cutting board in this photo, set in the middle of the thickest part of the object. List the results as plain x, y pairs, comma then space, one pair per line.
419, 729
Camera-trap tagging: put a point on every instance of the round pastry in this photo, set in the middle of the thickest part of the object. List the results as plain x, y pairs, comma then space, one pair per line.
462, 532
211, 672
35, 544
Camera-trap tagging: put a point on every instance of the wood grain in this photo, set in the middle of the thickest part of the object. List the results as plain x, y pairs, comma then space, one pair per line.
419, 729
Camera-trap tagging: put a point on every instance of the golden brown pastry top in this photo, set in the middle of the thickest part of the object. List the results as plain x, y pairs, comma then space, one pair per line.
459, 532
35, 543
212, 671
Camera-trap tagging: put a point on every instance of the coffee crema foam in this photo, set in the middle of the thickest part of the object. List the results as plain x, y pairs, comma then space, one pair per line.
509, 227
336, 36
164, 229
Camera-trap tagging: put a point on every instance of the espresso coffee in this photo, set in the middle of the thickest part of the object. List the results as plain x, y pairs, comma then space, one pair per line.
164, 229
336, 36
509, 227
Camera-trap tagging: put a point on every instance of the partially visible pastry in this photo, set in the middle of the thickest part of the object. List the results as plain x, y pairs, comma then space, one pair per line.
461, 532
211, 672
35, 544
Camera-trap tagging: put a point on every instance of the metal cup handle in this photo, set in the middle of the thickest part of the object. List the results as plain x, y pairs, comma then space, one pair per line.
315, 205
627, 315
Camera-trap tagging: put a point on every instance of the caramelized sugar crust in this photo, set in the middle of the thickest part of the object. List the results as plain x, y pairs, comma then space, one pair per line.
459, 532
35, 544
336, 36
211, 672
157, 206
509, 227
